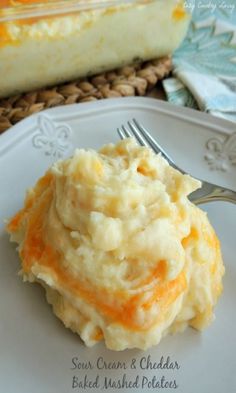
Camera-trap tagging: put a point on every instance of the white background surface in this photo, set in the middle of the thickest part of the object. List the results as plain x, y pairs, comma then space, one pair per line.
36, 350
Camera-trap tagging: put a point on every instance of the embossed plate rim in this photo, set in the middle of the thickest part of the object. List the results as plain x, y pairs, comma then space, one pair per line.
84, 109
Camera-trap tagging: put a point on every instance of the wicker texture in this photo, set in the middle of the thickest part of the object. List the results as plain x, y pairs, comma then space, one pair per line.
132, 80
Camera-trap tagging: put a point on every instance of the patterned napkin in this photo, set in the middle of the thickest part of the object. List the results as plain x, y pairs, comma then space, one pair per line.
205, 64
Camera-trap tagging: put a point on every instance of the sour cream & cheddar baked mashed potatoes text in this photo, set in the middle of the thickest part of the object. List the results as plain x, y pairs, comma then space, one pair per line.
122, 253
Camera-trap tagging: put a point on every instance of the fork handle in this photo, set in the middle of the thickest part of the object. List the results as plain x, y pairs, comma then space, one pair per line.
211, 193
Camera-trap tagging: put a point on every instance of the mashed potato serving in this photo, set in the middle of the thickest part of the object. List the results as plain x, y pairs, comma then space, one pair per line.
122, 253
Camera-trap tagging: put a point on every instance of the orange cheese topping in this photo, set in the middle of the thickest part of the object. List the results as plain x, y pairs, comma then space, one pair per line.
43, 183
98, 336
14, 3
179, 13
5, 35
193, 235
118, 306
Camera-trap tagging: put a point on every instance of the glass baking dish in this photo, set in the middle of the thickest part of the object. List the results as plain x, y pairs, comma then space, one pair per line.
49, 42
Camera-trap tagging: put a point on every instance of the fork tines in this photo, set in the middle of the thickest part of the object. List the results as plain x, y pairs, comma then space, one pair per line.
136, 130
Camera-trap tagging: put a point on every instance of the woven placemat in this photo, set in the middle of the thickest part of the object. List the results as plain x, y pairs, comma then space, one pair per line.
135, 80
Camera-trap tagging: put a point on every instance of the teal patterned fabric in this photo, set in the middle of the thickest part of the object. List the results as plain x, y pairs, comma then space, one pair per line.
218, 9
205, 64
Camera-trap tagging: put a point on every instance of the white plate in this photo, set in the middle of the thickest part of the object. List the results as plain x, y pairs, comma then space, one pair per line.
36, 351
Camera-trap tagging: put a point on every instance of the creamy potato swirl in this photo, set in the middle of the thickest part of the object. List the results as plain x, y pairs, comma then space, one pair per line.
123, 254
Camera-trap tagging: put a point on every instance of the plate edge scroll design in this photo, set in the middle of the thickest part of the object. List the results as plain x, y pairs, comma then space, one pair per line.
52, 138
221, 153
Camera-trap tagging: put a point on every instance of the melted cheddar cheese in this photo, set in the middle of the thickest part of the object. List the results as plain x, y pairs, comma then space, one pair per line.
44, 27
39, 48
122, 253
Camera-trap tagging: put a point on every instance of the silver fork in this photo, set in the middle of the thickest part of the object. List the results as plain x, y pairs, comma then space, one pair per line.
207, 193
